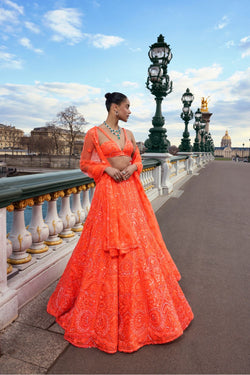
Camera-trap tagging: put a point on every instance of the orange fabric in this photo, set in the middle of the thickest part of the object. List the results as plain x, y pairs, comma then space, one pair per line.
120, 288
111, 148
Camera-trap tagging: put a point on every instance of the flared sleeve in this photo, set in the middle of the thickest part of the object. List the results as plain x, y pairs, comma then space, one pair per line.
92, 162
136, 159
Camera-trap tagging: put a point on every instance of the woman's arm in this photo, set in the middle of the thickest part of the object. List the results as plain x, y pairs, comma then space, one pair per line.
90, 162
136, 157
136, 162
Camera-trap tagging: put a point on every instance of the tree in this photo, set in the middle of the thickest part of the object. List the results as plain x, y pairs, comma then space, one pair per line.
73, 123
42, 144
56, 138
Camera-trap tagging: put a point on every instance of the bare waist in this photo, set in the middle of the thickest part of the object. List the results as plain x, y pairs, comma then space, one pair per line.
120, 162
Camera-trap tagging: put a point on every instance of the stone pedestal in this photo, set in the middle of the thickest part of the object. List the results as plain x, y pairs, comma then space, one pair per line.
164, 158
206, 117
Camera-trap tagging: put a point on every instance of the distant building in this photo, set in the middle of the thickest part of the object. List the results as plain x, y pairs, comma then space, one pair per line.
10, 137
58, 139
226, 140
227, 151
141, 147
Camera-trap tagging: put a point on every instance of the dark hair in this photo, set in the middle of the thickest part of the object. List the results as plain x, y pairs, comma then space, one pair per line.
115, 97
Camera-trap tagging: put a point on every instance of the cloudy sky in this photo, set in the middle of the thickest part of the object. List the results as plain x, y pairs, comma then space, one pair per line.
71, 52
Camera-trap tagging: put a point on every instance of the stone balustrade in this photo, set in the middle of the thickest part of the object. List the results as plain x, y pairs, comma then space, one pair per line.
34, 255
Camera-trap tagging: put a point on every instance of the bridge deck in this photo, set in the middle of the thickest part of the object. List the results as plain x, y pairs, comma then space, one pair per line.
206, 229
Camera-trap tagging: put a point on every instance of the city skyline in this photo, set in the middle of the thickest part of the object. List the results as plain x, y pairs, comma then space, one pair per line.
59, 53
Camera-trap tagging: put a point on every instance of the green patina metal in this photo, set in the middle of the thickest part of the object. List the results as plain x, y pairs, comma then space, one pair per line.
186, 115
15, 189
159, 84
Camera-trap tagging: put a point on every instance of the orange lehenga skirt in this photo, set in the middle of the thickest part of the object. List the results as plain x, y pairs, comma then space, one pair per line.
120, 290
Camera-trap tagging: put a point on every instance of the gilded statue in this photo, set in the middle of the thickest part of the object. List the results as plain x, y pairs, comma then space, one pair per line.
204, 102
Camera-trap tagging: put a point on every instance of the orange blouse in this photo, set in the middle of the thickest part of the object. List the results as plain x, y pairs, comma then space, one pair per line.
93, 161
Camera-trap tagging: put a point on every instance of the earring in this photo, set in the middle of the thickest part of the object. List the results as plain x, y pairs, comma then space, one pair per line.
116, 112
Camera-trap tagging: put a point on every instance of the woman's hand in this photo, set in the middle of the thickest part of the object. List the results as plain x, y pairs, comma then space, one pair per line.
115, 173
128, 171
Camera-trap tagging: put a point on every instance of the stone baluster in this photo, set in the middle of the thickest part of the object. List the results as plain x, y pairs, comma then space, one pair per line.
151, 176
167, 186
86, 200
53, 221
177, 167
147, 176
38, 229
3, 252
142, 177
9, 252
77, 209
157, 178
67, 216
91, 186
19, 236
190, 165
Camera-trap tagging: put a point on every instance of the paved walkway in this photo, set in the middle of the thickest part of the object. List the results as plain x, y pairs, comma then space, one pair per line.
207, 232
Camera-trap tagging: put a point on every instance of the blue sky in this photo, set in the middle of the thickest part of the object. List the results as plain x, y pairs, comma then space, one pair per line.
71, 52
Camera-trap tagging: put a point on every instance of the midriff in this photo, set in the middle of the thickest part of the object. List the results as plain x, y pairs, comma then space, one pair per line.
120, 162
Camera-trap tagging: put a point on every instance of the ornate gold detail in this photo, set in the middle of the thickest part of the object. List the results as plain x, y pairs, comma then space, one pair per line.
91, 185
82, 187
54, 226
9, 269
38, 229
67, 219
148, 169
70, 191
38, 251
42, 198
77, 229
20, 261
67, 235
23, 204
10, 208
57, 194
204, 103
52, 243
20, 239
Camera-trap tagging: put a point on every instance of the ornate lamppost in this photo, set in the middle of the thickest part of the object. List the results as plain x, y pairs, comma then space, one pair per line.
206, 142
186, 115
202, 133
209, 140
160, 86
212, 146
197, 127
249, 152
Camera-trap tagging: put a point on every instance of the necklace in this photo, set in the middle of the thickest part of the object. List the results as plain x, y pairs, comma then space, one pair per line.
115, 132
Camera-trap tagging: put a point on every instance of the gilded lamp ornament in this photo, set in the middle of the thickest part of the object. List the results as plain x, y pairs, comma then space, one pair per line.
159, 84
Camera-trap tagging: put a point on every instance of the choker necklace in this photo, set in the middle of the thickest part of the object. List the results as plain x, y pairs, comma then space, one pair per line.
115, 132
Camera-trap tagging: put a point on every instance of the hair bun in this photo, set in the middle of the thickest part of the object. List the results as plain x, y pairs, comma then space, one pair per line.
108, 95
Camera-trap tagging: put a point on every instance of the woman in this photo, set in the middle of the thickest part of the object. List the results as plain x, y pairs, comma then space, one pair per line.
120, 288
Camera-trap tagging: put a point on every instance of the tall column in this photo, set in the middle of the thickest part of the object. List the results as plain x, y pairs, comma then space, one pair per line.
206, 117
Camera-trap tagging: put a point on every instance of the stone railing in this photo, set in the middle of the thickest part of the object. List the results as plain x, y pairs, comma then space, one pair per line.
45, 215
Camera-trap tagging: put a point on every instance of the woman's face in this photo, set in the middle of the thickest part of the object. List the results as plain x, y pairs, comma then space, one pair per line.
123, 110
